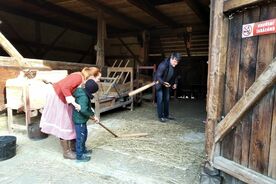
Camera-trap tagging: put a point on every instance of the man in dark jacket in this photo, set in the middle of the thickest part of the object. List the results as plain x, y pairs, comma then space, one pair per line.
166, 79
83, 97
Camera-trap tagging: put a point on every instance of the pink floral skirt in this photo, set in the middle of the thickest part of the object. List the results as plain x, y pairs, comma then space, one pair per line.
56, 117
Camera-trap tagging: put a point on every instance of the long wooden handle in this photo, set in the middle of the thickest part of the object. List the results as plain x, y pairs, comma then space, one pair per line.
134, 92
108, 130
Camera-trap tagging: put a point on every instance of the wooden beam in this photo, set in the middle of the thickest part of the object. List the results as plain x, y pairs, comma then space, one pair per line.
155, 13
254, 93
72, 15
199, 10
187, 40
9, 48
198, 29
236, 4
216, 73
242, 173
40, 64
48, 6
35, 16
129, 50
10, 62
120, 69
146, 43
107, 10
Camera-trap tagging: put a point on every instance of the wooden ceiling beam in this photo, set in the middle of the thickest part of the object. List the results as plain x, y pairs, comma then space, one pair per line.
237, 4
155, 13
62, 11
48, 20
198, 29
110, 11
200, 11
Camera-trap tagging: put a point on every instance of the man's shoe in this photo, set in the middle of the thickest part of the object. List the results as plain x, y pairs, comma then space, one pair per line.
162, 120
170, 118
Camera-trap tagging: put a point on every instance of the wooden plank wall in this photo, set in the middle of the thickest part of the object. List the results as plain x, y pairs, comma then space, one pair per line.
232, 77
262, 113
252, 142
246, 79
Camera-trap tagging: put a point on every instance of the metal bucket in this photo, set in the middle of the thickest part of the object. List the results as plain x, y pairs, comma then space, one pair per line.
7, 147
34, 132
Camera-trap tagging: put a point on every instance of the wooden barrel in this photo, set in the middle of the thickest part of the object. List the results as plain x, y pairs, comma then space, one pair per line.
35, 133
7, 147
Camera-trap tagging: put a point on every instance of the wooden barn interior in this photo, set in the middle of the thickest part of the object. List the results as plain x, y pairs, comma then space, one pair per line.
224, 104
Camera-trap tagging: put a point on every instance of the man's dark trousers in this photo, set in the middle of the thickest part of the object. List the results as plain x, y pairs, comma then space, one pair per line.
163, 98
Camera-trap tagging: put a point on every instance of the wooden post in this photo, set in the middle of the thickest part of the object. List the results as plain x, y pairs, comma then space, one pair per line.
101, 36
97, 106
216, 68
146, 38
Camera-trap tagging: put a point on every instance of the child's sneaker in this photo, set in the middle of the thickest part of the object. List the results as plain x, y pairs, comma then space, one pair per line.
83, 158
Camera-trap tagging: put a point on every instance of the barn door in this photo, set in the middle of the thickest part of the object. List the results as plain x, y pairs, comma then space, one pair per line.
241, 92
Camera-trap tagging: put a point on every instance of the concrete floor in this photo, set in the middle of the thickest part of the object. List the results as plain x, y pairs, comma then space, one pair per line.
172, 152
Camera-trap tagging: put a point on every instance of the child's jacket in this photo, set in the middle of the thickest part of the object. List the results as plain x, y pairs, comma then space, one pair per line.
83, 100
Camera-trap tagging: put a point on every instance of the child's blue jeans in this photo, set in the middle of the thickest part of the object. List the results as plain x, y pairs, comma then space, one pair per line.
81, 131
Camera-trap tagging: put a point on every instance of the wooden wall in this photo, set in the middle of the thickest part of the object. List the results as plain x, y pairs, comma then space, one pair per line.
253, 142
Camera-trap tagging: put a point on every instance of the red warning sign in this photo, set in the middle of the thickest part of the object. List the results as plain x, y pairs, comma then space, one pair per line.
259, 28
